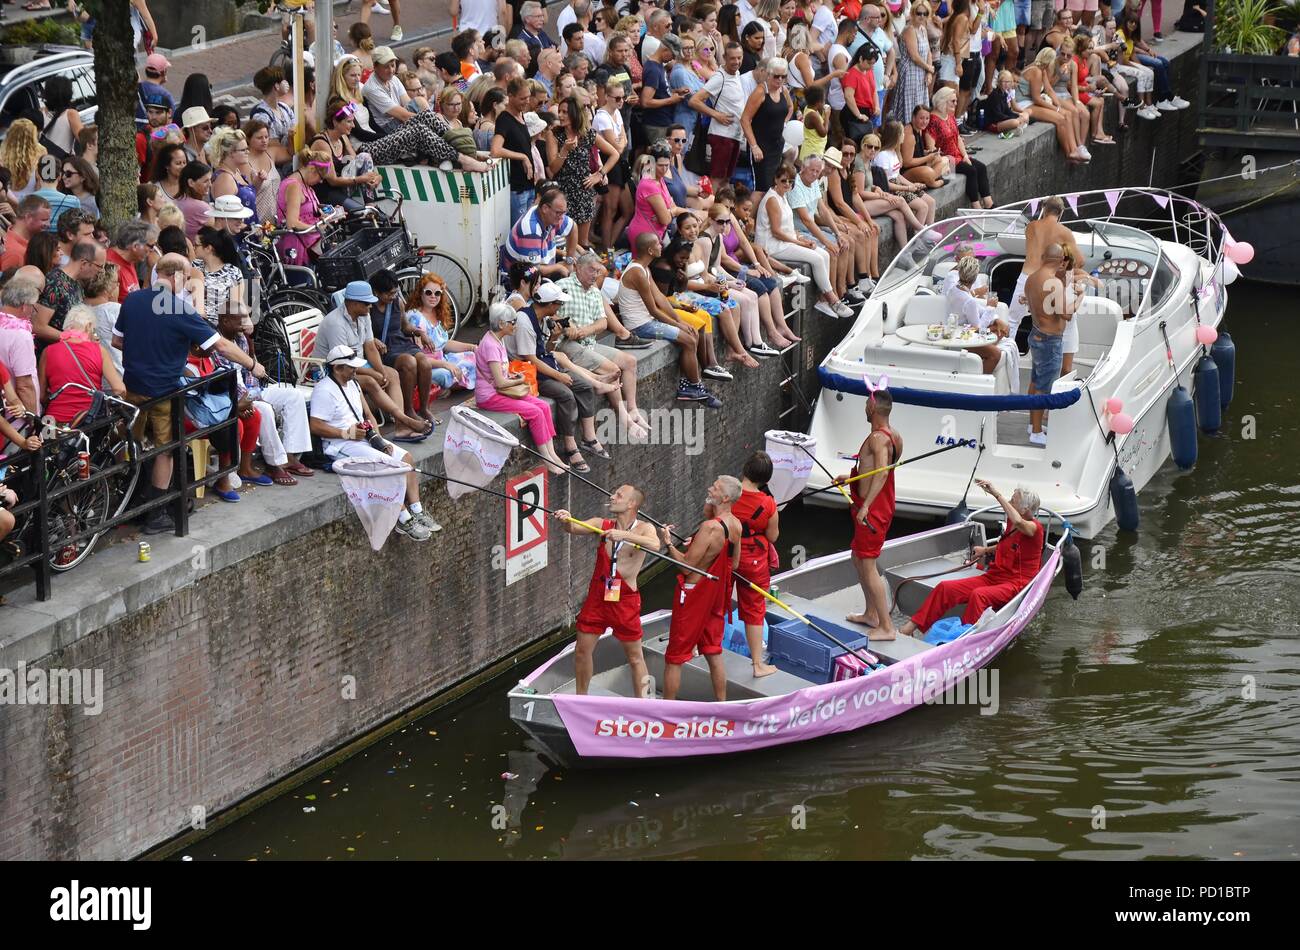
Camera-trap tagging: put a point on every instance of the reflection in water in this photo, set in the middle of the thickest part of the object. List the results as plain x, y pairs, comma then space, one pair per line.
1157, 716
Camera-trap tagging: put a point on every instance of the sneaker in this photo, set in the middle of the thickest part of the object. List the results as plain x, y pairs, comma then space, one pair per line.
763, 349
397, 32
965, 130
853, 298
842, 311
689, 392
159, 521
706, 397
824, 307
1157, 37
866, 285
1038, 438
632, 342
1006, 135
415, 529
717, 372
380, 7
1148, 112
1083, 150
1166, 106
1179, 102
1030, 429
428, 522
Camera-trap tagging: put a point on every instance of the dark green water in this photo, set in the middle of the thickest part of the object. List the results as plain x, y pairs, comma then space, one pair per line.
1129, 700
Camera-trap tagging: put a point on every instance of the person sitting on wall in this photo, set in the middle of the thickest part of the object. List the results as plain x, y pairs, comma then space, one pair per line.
342, 420
390, 326
1016, 559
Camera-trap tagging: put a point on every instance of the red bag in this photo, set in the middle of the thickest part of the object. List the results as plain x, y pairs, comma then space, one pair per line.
773, 559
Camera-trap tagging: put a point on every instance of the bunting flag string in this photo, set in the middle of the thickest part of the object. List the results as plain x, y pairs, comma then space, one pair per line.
1074, 202
1112, 199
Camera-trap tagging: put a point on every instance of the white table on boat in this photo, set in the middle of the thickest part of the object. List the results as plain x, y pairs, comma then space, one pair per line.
916, 333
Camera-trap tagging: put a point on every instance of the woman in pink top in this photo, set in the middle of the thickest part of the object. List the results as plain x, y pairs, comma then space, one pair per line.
655, 209
79, 357
196, 182
491, 364
297, 206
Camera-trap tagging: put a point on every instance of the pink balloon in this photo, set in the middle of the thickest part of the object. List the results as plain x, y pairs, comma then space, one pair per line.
1121, 423
1114, 405
1241, 252
1206, 335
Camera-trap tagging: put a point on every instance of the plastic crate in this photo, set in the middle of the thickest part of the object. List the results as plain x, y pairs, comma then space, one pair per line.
363, 255
795, 648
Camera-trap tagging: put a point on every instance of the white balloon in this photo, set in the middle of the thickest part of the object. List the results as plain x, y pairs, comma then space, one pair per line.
1230, 272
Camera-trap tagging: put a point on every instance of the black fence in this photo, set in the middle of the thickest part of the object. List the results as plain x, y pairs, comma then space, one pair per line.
1249, 102
53, 480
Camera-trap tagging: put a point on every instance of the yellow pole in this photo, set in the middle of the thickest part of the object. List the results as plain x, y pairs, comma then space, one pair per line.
300, 132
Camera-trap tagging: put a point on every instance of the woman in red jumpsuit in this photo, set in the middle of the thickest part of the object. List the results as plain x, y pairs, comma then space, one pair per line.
759, 529
1016, 559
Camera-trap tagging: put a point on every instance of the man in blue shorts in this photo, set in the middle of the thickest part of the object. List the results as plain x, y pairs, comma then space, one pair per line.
1051, 309
648, 314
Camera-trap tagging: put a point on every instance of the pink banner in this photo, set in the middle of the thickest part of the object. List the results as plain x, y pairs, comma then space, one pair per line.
618, 727
1074, 202
1162, 200
1033, 206
1112, 199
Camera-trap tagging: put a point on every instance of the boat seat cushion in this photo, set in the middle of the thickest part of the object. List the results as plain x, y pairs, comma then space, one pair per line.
925, 309
908, 356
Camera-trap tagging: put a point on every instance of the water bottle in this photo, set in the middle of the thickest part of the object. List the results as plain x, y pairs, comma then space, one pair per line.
981, 119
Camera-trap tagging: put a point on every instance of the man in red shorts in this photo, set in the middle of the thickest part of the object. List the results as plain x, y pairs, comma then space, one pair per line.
700, 605
759, 529
1016, 559
873, 512
613, 602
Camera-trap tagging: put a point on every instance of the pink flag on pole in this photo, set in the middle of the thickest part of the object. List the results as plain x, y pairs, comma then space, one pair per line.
1112, 199
1033, 207
1074, 202
1162, 200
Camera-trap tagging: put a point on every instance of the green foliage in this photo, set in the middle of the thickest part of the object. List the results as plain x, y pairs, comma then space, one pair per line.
1288, 16
1239, 27
36, 32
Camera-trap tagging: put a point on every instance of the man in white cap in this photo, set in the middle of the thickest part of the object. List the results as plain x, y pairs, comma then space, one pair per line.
349, 325
198, 129
342, 420
384, 93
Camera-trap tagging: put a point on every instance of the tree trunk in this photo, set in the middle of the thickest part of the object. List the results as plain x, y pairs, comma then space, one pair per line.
116, 86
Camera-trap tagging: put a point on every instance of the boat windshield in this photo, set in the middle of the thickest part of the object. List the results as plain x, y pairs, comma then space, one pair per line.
939, 243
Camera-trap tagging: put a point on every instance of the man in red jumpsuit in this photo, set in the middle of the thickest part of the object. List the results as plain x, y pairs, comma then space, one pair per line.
1016, 559
701, 604
613, 602
873, 513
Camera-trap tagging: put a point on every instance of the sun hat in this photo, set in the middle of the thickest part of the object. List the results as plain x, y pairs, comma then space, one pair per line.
229, 206
360, 291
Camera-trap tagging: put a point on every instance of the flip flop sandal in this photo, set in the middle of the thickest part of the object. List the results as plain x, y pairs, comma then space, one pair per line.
302, 471
596, 449
579, 466
284, 479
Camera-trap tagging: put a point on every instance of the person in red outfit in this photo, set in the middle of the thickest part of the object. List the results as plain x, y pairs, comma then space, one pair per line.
873, 513
1016, 559
613, 602
759, 529
701, 604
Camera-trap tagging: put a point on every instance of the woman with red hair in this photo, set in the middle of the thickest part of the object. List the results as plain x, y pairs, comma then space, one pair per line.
429, 309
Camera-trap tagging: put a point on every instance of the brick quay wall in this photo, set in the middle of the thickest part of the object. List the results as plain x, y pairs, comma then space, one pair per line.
273, 636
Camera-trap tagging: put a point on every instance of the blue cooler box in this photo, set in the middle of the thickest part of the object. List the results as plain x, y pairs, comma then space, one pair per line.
796, 648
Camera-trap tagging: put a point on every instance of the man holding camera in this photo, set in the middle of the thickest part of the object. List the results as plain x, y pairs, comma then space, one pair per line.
342, 420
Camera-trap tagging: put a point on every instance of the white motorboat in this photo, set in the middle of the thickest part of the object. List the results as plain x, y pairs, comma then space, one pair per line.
1162, 260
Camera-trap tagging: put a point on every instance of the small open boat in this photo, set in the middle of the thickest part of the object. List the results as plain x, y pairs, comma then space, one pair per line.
613, 725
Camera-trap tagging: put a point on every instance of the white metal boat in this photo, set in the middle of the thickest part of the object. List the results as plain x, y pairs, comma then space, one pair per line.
1162, 259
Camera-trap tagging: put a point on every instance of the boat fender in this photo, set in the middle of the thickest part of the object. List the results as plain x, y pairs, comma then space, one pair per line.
1224, 352
1181, 415
1072, 564
1123, 498
1209, 414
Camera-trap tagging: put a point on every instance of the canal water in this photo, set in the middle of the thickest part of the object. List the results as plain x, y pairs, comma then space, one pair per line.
1157, 716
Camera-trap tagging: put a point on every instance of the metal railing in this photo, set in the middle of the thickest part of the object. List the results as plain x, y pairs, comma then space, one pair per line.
42, 499
1247, 100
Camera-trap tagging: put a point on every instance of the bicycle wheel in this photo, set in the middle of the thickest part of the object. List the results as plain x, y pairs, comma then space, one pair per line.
408, 277
463, 289
117, 445
80, 510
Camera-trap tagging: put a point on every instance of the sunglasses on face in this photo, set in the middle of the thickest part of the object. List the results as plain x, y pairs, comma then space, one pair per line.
678, 141
433, 291
70, 171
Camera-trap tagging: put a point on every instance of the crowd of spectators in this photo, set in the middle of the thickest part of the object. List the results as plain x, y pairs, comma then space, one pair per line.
670, 166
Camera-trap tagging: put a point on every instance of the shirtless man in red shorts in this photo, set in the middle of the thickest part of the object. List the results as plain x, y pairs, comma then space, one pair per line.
873, 512
613, 602
700, 606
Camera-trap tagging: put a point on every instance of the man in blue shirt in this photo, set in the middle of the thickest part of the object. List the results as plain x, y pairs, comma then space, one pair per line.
48, 171
658, 102
151, 88
155, 331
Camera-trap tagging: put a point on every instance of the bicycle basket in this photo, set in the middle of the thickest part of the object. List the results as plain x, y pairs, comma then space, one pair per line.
364, 254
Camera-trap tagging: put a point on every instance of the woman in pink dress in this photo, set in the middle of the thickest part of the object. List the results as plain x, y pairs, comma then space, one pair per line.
297, 207
655, 209
492, 364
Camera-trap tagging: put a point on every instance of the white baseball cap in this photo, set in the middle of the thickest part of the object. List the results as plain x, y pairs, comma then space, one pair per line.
344, 355
549, 292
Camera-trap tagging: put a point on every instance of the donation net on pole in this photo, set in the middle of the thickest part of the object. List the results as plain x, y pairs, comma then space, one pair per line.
377, 489
474, 450
791, 465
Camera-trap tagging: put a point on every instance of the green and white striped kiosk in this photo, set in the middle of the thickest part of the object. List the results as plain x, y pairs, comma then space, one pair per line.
465, 214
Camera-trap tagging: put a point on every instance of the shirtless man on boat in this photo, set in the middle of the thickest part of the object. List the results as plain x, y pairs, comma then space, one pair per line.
1051, 309
700, 604
1048, 229
613, 602
873, 513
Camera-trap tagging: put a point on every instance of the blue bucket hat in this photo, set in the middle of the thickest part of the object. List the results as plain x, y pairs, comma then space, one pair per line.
360, 291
